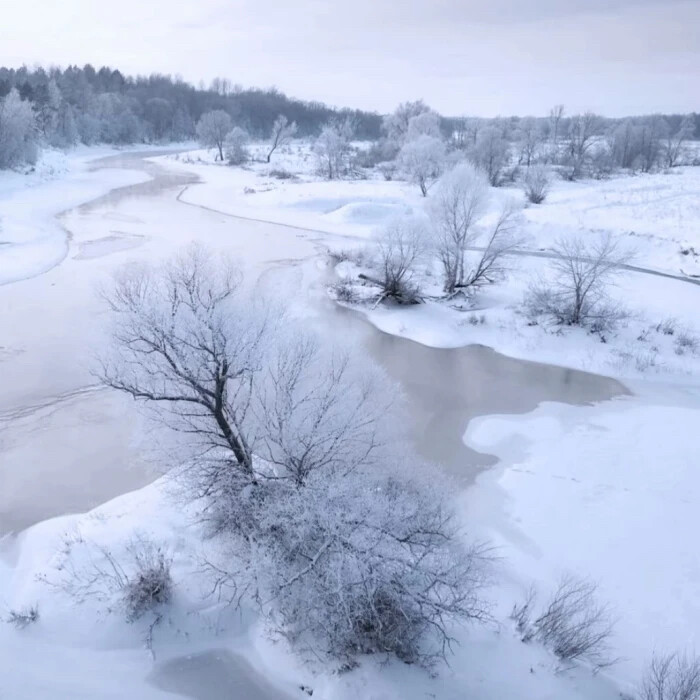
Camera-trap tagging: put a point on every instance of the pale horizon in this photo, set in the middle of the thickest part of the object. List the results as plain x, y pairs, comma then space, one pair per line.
617, 58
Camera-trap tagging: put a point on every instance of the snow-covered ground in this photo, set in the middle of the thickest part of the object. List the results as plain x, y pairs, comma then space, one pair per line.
606, 490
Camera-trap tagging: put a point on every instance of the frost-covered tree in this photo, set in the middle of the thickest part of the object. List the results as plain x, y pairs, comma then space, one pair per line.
185, 343
236, 146
583, 130
575, 292
17, 131
459, 202
332, 149
159, 114
424, 124
282, 133
556, 114
422, 161
651, 131
674, 143
396, 125
491, 153
212, 129
529, 137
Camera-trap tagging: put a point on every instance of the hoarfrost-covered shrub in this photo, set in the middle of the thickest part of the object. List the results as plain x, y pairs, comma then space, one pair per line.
24, 617
672, 677
573, 624
536, 184
236, 146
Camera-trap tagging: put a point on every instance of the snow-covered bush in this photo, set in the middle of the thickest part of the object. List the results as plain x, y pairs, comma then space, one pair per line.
576, 291
536, 183
24, 617
672, 677
686, 342
369, 564
422, 161
573, 624
149, 584
135, 581
236, 146
400, 246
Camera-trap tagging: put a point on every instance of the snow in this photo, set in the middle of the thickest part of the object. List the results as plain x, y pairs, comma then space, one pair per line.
606, 490
609, 491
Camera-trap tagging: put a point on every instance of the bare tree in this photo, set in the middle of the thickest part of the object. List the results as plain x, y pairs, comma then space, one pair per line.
582, 132
651, 132
212, 129
423, 161
672, 677
529, 137
395, 125
401, 245
184, 343
582, 271
536, 183
282, 133
555, 116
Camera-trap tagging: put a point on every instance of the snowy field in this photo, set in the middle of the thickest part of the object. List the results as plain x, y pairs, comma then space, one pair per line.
605, 490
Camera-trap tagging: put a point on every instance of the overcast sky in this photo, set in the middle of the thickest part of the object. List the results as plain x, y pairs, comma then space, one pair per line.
483, 57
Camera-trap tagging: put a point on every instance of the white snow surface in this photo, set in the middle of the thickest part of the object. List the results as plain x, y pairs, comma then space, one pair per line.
609, 490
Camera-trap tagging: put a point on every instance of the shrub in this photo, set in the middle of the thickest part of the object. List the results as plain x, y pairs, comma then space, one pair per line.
672, 677
536, 184
686, 342
24, 617
574, 625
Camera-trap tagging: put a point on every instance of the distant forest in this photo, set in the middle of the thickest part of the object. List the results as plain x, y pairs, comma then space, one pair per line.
104, 106
64, 107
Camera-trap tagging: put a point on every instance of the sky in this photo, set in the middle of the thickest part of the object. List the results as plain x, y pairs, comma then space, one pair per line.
471, 57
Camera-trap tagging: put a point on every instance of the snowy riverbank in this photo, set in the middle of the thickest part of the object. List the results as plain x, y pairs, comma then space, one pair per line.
592, 489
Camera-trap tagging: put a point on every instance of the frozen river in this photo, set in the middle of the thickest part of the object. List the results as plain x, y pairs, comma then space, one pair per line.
67, 445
